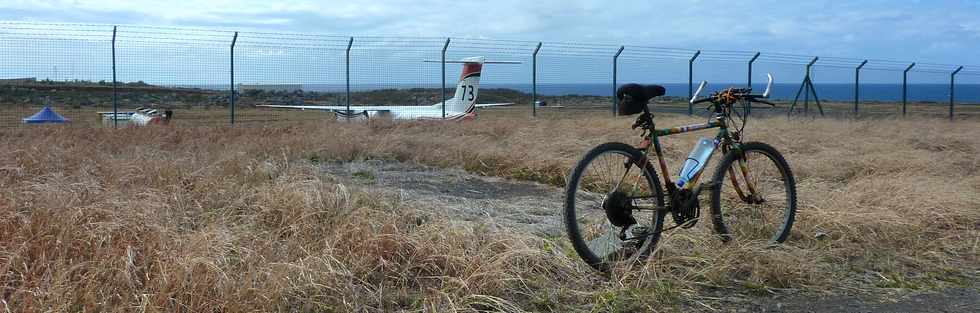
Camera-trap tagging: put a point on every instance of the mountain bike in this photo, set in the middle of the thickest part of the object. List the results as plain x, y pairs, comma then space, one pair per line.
615, 205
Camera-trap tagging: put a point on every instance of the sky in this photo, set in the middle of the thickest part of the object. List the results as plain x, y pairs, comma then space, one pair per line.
939, 32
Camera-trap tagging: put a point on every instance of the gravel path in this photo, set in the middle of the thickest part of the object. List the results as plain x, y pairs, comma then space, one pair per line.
536, 209
467, 198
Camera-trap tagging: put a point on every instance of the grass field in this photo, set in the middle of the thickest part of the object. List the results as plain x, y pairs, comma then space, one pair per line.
195, 219
11, 114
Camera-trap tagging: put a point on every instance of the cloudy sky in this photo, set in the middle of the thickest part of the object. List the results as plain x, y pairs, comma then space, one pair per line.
939, 31
934, 31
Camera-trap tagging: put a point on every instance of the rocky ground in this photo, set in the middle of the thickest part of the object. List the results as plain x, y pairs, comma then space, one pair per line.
536, 209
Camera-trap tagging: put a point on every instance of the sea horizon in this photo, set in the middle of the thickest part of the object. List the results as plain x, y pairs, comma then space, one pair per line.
825, 91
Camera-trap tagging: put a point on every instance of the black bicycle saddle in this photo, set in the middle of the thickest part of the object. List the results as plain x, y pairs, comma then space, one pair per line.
634, 97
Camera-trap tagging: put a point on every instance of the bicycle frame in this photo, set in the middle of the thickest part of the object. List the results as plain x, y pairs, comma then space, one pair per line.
723, 140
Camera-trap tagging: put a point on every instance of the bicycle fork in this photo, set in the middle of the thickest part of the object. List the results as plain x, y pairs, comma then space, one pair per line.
752, 196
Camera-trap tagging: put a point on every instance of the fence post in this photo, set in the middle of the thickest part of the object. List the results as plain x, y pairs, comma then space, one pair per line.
231, 90
806, 95
614, 74
444, 47
347, 76
952, 83
756, 56
905, 80
534, 81
115, 104
690, 82
857, 85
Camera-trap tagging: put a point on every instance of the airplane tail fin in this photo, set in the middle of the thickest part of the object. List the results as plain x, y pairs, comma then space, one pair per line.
463, 101
468, 87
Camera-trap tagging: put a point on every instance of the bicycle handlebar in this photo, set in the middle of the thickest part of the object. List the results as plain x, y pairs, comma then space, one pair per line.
701, 100
746, 96
765, 94
698, 92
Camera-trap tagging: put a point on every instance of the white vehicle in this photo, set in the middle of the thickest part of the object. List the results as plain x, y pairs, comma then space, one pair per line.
140, 117
461, 106
541, 104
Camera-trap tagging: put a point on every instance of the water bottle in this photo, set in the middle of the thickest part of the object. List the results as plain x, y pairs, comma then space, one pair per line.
695, 160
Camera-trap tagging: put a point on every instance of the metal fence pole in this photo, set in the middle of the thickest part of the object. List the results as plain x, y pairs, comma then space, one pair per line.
905, 81
614, 74
347, 77
115, 104
444, 47
952, 83
748, 109
534, 81
231, 90
690, 82
857, 85
809, 83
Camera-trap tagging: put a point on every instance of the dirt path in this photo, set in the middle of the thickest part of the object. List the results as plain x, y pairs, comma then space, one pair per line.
536, 209
467, 198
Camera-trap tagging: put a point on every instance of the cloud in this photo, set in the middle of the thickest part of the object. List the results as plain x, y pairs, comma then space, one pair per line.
911, 30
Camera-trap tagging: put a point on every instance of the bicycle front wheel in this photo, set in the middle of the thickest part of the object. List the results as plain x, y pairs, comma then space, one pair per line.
611, 206
754, 198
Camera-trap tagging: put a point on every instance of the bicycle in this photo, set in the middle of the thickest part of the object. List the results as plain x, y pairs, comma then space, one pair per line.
621, 220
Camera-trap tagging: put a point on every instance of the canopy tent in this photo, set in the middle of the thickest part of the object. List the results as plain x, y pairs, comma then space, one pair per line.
46, 115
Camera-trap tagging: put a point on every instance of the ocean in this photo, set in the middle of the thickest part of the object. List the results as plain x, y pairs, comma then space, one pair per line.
835, 92
965, 93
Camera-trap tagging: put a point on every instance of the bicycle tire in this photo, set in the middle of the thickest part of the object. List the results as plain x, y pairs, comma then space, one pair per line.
570, 214
722, 224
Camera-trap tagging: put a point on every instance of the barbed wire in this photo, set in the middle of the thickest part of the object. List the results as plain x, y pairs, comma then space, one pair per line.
148, 34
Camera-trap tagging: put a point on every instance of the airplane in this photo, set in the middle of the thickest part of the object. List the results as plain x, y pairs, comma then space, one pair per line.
140, 117
541, 104
461, 106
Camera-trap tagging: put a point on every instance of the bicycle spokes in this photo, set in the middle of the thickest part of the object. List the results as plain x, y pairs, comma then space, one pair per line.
611, 201
755, 197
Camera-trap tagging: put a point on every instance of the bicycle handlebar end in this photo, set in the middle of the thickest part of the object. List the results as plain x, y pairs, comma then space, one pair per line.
698, 92
768, 86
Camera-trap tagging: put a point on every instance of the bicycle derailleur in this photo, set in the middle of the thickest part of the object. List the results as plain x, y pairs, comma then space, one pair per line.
619, 210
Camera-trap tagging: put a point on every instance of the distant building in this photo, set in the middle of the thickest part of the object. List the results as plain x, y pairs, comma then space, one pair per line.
14, 81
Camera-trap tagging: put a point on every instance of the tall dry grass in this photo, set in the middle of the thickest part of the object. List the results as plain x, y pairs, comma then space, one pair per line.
218, 219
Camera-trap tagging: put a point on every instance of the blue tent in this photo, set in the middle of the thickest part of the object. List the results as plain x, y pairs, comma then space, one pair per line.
46, 115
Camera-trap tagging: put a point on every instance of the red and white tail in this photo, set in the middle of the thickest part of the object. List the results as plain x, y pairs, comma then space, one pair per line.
468, 87
463, 101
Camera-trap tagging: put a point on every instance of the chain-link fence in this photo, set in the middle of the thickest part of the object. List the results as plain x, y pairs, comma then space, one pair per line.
112, 76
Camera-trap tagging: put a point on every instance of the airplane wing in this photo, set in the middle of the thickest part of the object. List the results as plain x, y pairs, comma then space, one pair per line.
342, 107
484, 105
366, 107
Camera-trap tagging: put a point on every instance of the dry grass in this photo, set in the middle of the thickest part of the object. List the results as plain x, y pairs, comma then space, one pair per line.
218, 219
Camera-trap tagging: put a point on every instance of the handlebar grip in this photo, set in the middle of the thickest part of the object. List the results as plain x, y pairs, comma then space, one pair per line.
701, 101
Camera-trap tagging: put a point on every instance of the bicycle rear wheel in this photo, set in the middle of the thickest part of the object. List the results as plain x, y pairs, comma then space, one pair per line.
755, 195
611, 203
